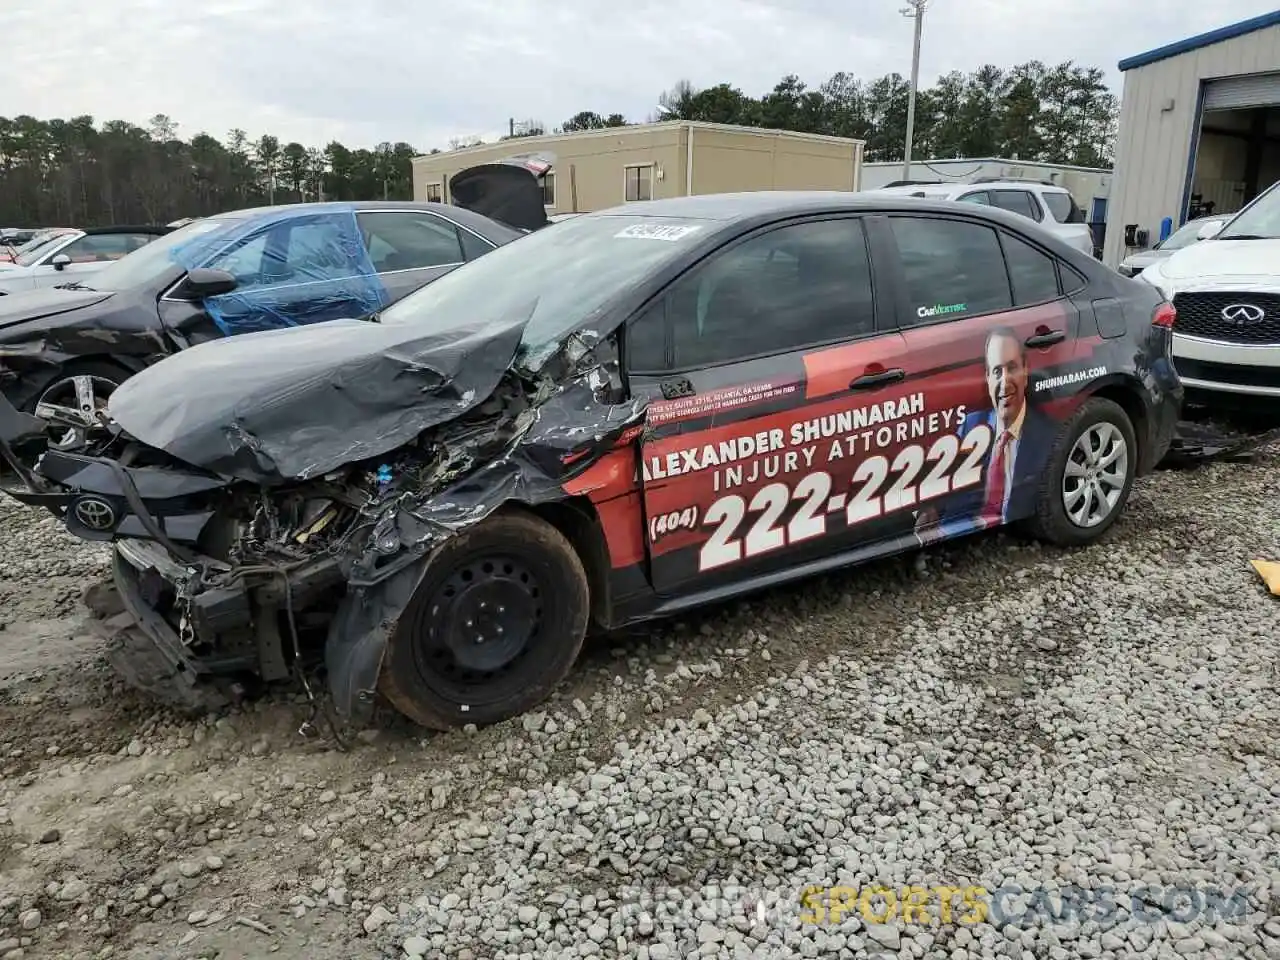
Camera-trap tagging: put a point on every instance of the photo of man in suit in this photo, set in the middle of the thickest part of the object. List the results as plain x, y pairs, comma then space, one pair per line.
1021, 440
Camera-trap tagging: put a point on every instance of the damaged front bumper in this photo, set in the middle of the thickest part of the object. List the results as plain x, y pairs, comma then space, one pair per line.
184, 626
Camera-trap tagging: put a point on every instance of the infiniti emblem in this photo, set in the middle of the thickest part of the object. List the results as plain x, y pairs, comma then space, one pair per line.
95, 514
1242, 313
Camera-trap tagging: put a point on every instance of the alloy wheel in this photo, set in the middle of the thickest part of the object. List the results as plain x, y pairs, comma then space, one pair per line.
1095, 475
72, 406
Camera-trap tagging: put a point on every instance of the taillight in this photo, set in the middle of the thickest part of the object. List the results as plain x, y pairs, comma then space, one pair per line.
1164, 316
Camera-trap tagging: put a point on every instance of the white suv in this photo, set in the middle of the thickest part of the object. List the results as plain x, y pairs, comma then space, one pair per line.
1047, 204
1226, 291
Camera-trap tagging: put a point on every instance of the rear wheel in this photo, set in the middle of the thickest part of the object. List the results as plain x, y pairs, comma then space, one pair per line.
1089, 477
493, 628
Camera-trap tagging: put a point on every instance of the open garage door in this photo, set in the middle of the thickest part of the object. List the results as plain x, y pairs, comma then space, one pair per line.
1241, 93
1237, 146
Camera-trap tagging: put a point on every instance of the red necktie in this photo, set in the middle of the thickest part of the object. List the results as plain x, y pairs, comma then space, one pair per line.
993, 508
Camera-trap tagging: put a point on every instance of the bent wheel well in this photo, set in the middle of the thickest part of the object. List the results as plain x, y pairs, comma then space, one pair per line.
1126, 397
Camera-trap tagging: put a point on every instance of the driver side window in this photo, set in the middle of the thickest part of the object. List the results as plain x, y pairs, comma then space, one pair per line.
244, 261
785, 289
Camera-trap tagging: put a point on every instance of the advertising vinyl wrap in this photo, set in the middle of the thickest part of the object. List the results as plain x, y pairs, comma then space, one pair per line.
791, 463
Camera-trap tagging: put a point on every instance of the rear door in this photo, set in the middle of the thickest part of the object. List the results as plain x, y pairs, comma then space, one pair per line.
410, 248
769, 367
988, 329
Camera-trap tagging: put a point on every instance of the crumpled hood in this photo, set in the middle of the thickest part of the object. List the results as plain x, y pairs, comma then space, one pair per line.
46, 302
294, 404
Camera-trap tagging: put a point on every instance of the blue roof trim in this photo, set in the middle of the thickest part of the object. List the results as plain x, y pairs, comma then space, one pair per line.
1203, 40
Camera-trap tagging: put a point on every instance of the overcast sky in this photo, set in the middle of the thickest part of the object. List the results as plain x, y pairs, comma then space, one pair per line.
363, 71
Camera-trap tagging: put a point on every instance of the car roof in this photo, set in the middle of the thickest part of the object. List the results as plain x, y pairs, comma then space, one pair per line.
939, 189
451, 211
135, 228
765, 204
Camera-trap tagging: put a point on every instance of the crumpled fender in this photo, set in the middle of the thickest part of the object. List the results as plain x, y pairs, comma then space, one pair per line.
358, 637
550, 449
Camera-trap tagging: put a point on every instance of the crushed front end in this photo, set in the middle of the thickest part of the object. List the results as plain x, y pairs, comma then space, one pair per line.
221, 585
216, 587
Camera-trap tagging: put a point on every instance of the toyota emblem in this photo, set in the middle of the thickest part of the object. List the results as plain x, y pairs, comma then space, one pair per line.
95, 513
1242, 313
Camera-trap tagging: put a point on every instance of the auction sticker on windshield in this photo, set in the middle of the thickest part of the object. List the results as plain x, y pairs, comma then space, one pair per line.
657, 231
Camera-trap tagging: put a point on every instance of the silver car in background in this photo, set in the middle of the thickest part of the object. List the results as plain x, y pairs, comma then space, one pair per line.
1184, 236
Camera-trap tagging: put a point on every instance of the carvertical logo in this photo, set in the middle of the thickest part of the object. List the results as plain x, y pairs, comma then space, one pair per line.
941, 309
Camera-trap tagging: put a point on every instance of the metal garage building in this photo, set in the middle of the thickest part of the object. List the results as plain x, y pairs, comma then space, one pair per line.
1199, 125
597, 169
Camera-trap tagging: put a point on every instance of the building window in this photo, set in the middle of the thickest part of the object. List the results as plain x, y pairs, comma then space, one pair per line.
549, 189
639, 181
435, 193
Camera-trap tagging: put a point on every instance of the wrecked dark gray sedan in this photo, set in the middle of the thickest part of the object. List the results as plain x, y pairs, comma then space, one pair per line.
623, 416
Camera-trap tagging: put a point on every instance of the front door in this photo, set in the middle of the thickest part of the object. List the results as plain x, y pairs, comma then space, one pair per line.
767, 376
293, 271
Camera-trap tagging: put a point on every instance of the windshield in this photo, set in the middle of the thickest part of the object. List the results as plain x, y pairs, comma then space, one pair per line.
1184, 236
1261, 219
36, 247
556, 277
149, 263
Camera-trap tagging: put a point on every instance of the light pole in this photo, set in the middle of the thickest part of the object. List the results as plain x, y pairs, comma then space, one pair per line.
915, 11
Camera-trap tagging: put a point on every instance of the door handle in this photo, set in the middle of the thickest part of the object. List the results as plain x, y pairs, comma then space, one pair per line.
674, 389
870, 381
1046, 339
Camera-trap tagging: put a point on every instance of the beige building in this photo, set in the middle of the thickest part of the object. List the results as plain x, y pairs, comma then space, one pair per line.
597, 169
1199, 131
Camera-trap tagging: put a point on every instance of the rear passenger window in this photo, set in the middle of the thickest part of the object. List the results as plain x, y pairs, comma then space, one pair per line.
406, 240
1033, 274
789, 288
952, 268
1017, 201
472, 245
1062, 206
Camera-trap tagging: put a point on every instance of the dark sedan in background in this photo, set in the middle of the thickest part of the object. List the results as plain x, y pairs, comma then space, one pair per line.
63, 351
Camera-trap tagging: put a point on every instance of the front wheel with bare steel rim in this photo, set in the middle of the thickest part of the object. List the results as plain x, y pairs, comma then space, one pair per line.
1090, 473
495, 625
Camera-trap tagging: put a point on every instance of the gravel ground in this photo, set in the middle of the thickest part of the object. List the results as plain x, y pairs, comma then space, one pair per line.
1091, 737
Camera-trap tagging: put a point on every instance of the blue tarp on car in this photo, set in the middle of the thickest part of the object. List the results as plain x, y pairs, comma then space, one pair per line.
293, 267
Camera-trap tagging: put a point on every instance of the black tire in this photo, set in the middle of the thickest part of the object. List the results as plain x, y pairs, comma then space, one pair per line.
539, 599
1051, 522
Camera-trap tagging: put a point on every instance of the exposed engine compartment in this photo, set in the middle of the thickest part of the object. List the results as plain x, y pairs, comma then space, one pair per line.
250, 593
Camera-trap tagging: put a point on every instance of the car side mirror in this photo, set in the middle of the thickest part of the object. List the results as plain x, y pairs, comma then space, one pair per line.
207, 282
60, 261
1210, 230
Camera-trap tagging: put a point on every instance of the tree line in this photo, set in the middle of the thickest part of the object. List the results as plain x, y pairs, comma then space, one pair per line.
78, 173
